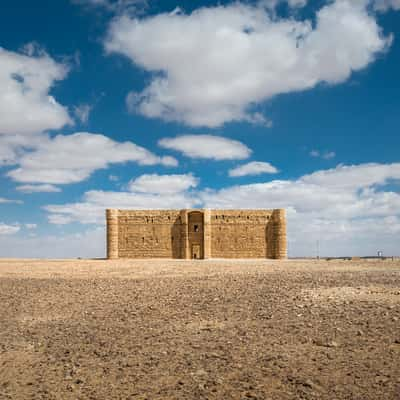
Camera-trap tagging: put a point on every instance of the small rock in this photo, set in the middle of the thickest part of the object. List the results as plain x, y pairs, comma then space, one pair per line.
201, 372
308, 383
332, 344
326, 344
70, 388
250, 395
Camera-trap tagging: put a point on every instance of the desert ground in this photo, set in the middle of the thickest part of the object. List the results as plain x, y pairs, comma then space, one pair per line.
207, 329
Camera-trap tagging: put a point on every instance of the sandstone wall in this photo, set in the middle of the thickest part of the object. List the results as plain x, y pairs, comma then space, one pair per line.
146, 234
181, 233
239, 233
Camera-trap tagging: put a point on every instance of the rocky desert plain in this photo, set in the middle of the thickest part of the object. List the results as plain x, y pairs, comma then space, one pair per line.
207, 329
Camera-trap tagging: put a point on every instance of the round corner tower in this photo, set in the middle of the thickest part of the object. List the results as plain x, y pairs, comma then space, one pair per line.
280, 242
112, 233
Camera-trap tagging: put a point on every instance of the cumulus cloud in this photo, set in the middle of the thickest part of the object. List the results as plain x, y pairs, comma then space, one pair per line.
82, 112
89, 243
326, 155
27, 111
44, 188
30, 226
114, 6
355, 176
253, 168
8, 229
213, 65
343, 192
12, 147
4, 201
92, 209
26, 107
385, 5
73, 158
113, 178
157, 184
207, 146
342, 207
272, 4
346, 208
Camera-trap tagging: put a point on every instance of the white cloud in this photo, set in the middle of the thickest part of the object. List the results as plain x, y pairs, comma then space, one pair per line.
8, 229
272, 4
342, 207
339, 193
327, 155
30, 226
385, 5
9, 150
207, 146
297, 3
92, 209
26, 107
44, 188
163, 184
4, 201
82, 112
253, 168
213, 65
113, 178
60, 219
12, 147
89, 243
27, 111
348, 213
114, 6
73, 158
355, 176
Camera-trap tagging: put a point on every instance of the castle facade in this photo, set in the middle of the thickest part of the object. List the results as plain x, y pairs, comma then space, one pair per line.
196, 234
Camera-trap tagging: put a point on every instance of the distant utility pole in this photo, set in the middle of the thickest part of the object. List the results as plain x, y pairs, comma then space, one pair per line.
318, 249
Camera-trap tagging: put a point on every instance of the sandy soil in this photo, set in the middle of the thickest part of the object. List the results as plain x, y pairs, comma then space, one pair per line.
153, 329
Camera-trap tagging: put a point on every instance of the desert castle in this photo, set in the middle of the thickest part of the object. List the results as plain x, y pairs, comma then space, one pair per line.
196, 233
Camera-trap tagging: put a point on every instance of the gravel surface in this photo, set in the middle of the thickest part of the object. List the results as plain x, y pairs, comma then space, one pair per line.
211, 329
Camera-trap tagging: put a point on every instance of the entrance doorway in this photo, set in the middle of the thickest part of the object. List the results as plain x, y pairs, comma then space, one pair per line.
196, 234
196, 253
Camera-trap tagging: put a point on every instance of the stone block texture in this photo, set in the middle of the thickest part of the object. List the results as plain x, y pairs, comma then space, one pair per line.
196, 234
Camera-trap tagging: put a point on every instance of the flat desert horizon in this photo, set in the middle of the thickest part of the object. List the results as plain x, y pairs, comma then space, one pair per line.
204, 329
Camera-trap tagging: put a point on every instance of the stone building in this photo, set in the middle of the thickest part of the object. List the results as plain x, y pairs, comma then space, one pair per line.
196, 234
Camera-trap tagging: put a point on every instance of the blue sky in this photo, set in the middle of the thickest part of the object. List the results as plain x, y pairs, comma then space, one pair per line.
136, 104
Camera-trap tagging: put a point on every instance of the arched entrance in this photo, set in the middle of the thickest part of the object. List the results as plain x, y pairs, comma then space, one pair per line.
196, 234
